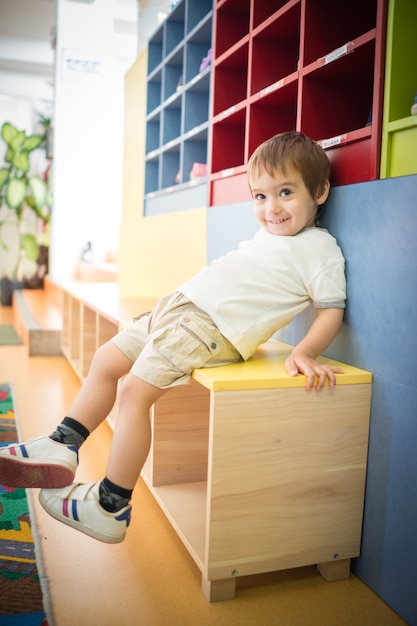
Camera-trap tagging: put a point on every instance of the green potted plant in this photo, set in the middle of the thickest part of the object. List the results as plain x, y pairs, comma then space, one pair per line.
21, 194
46, 123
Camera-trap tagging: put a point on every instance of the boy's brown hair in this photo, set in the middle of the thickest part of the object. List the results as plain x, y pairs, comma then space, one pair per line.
296, 150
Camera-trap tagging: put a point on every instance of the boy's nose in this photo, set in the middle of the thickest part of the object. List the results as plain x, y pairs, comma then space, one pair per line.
274, 207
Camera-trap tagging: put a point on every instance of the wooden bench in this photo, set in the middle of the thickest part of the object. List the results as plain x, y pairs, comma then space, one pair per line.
38, 319
254, 473
105, 272
92, 314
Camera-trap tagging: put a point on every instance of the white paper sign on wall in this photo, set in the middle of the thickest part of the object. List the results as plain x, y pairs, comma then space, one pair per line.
80, 65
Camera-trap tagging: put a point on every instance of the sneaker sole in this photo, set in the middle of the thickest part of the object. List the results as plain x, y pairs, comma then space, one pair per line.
25, 475
91, 532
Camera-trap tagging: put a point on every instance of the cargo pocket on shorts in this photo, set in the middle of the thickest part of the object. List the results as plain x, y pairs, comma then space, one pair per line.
191, 344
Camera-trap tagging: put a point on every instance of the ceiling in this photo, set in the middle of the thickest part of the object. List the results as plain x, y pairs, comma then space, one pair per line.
26, 28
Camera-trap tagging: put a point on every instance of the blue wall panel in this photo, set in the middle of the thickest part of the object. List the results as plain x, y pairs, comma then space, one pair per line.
376, 226
227, 225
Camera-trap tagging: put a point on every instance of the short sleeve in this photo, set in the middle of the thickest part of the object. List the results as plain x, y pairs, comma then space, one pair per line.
328, 289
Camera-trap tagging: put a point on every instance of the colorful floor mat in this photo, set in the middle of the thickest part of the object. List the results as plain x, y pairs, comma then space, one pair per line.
21, 601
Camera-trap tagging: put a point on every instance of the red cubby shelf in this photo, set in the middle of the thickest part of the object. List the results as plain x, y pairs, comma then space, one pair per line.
275, 47
274, 107
309, 65
228, 140
230, 81
233, 24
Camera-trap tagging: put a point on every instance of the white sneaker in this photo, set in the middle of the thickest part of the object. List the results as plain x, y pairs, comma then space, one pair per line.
78, 506
40, 462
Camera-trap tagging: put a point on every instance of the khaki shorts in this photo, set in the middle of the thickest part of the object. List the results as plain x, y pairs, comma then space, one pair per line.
167, 344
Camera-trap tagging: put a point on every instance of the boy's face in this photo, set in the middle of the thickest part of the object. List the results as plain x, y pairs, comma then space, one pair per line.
283, 204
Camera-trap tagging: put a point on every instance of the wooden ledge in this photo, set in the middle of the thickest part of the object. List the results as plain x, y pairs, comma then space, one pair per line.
106, 300
38, 320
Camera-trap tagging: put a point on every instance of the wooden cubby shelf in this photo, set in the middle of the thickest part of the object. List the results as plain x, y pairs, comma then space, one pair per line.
92, 314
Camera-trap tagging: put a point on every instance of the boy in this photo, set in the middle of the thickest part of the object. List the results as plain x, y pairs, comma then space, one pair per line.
220, 316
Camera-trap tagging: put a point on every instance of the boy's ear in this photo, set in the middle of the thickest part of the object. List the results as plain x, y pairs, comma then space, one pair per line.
323, 193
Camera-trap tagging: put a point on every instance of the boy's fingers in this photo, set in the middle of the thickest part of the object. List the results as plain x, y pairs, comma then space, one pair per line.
316, 374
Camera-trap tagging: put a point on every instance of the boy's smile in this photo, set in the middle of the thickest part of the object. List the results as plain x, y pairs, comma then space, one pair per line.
283, 205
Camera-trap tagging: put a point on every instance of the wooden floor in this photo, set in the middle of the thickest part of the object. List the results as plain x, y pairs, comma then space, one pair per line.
149, 579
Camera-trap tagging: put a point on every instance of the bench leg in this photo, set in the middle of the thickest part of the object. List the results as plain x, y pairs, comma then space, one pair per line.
335, 570
218, 590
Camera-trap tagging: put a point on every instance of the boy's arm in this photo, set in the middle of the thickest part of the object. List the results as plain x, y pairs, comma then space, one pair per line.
320, 335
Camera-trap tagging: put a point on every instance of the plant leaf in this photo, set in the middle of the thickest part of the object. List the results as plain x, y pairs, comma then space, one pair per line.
16, 193
4, 175
18, 140
32, 142
46, 122
8, 132
30, 201
39, 191
21, 161
9, 155
30, 247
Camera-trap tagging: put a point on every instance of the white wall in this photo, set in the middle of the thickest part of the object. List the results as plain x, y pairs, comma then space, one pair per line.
88, 112
88, 118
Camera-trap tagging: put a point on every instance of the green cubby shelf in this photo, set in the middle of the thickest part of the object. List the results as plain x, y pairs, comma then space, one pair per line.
399, 131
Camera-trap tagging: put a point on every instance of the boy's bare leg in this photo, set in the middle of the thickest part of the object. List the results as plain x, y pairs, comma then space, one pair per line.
102, 510
132, 435
97, 395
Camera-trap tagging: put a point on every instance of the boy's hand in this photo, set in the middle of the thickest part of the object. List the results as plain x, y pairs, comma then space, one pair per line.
299, 363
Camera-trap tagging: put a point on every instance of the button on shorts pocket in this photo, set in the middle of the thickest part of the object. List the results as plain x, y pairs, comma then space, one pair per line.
190, 344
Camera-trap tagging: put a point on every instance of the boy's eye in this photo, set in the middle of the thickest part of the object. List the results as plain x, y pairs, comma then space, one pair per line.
285, 192
259, 196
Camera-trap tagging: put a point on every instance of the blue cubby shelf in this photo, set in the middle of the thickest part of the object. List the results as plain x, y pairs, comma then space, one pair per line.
178, 106
181, 197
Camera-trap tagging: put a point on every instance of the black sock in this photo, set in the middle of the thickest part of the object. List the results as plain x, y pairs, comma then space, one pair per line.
112, 497
70, 432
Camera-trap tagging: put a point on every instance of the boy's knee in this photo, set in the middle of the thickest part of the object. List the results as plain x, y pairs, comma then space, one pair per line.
109, 358
136, 390
101, 355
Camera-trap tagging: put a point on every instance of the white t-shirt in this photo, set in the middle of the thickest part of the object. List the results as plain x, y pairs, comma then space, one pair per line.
252, 292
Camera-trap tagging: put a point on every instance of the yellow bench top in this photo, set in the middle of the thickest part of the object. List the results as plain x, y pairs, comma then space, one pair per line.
266, 370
